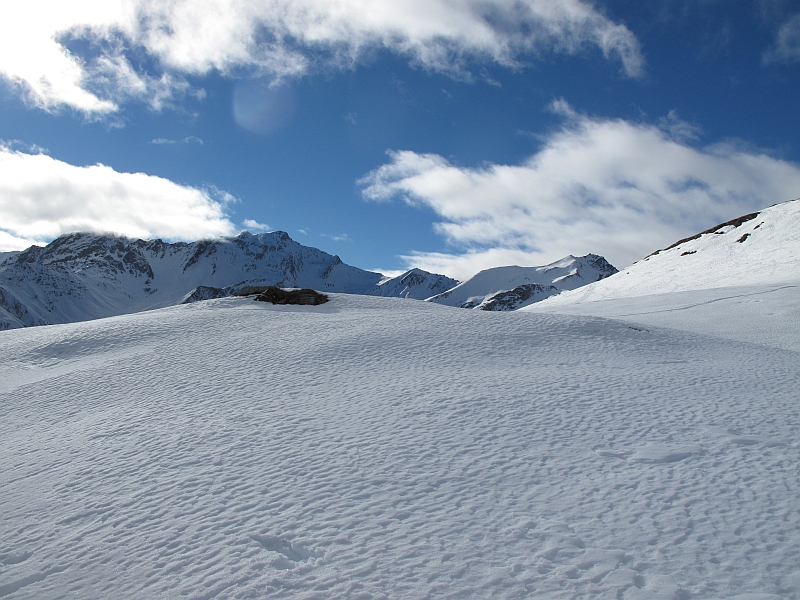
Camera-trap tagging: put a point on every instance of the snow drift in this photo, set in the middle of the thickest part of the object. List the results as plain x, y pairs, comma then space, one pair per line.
236, 449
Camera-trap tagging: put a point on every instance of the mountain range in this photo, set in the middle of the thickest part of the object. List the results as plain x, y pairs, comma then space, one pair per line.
510, 288
83, 276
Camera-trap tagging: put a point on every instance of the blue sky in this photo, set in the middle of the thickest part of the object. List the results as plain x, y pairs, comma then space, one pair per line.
450, 135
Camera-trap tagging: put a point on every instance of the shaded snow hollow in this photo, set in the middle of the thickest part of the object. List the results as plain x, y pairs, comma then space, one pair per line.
380, 448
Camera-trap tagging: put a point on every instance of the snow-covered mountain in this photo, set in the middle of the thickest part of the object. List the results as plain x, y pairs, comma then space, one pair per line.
745, 271
761, 248
416, 284
86, 276
510, 288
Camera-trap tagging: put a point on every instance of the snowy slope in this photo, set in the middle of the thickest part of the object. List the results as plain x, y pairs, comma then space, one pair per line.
758, 249
234, 449
746, 271
510, 288
416, 284
87, 276
762, 314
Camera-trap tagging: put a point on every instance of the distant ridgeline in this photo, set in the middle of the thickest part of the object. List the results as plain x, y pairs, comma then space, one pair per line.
83, 276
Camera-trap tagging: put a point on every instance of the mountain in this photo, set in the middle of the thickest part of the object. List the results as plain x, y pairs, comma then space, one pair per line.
738, 280
416, 284
85, 276
510, 288
761, 248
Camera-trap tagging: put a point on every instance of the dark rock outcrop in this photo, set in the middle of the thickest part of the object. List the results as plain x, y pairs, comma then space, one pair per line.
306, 296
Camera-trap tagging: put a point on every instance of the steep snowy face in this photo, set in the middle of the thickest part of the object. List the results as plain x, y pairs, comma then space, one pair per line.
510, 288
757, 249
84, 276
416, 284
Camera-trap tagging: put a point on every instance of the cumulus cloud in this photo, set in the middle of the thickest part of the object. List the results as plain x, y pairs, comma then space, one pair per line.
275, 38
787, 44
41, 198
610, 187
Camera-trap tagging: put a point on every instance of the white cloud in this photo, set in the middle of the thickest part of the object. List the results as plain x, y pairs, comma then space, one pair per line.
787, 44
41, 198
254, 226
168, 142
10, 242
341, 237
276, 38
610, 187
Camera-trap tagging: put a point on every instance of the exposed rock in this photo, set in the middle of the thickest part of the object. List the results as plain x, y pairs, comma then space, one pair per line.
276, 295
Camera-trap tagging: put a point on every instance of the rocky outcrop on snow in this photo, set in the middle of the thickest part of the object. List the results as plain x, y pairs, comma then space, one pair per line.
510, 288
85, 276
416, 284
307, 297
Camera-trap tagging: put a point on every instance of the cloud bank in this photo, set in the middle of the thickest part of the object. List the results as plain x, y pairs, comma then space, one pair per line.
275, 38
41, 198
610, 187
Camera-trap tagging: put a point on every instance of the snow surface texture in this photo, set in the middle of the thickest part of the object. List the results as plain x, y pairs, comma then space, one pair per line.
510, 288
762, 314
380, 448
740, 281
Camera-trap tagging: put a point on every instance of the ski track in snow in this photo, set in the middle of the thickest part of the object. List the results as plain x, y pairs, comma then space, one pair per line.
381, 448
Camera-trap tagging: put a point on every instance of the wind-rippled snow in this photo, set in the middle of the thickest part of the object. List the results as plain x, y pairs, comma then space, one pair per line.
381, 448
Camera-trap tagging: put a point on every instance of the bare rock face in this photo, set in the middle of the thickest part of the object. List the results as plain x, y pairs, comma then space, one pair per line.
276, 295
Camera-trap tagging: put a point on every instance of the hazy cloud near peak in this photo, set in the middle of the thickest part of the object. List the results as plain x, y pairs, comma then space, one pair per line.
609, 187
41, 198
277, 38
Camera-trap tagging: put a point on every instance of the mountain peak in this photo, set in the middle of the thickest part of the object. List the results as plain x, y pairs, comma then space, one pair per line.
509, 288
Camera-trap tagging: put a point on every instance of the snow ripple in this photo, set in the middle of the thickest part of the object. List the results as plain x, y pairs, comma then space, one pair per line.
379, 448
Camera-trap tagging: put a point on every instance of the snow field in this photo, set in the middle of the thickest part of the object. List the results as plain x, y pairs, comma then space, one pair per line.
381, 448
762, 314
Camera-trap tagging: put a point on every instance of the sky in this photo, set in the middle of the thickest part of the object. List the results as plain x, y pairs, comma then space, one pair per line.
450, 135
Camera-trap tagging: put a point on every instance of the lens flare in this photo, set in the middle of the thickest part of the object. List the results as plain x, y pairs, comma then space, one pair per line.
262, 108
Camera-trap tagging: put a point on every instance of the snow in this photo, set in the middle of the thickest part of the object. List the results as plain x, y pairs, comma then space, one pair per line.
86, 276
761, 314
764, 250
491, 287
415, 284
380, 448
740, 282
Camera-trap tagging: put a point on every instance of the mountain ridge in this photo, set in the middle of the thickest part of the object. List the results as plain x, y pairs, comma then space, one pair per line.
82, 276
513, 287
